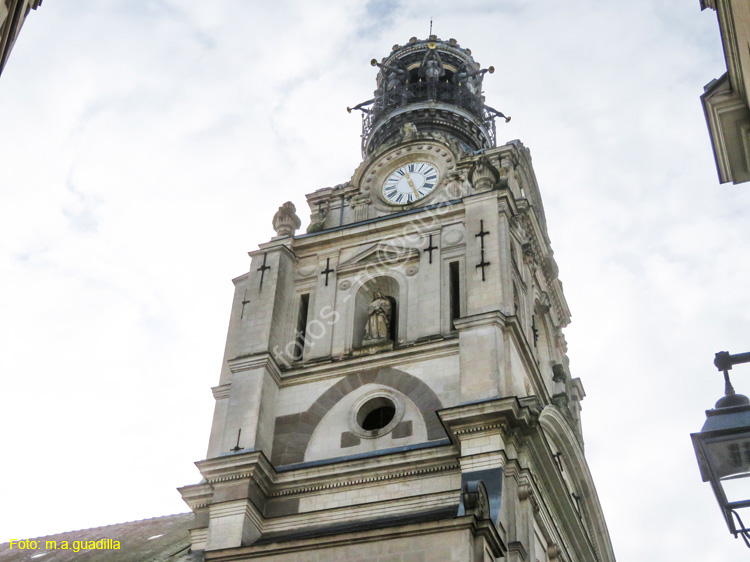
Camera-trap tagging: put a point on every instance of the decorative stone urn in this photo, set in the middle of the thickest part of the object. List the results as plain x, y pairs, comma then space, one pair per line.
286, 221
483, 175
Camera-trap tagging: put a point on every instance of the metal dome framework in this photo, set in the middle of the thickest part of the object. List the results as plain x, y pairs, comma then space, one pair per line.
435, 85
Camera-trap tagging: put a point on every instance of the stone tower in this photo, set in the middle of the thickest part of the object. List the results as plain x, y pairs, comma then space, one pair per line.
395, 385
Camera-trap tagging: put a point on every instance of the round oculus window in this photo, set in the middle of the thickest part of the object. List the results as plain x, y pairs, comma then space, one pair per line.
376, 414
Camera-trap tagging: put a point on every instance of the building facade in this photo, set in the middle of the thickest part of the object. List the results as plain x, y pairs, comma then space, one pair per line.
725, 100
12, 15
395, 384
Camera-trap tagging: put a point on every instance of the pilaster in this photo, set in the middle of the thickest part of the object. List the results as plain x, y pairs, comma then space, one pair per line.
320, 328
487, 434
234, 493
251, 406
484, 290
482, 356
429, 280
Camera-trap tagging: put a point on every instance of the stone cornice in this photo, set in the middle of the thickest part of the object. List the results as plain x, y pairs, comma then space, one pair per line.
338, 367
254, 465
494, 317
251, 465
454, 466
483, 528
221, 391
488, 416
733, 44
240, 278
354, 234
256, 361
722, 104
366, 471
197, 496
283, 246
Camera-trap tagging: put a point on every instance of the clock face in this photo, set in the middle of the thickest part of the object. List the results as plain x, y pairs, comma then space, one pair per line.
410, 183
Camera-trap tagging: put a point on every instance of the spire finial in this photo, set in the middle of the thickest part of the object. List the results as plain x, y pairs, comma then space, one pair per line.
430, 25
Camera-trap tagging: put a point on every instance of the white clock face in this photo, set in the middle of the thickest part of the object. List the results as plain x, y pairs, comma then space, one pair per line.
410, 183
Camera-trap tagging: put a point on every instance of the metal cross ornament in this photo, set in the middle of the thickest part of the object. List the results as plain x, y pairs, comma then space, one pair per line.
327, 270
430, 248
482, 233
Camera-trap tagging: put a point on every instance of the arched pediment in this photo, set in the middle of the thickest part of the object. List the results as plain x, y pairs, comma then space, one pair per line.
556, 425
293, 432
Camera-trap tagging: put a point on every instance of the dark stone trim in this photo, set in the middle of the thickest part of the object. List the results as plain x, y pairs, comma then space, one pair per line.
445, 442
403, 429
348, 439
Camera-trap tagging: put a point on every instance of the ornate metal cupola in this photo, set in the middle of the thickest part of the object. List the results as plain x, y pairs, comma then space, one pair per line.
434, 85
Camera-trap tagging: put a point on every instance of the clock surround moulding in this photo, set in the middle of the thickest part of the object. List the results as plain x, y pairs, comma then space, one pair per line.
375, 171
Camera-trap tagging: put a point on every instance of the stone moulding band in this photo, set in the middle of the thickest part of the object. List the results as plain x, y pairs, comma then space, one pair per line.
359, 481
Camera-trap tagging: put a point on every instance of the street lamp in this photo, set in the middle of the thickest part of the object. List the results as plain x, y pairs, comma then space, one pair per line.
723, 449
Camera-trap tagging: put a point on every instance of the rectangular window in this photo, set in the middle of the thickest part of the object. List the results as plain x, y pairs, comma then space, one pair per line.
455, 291
304, 305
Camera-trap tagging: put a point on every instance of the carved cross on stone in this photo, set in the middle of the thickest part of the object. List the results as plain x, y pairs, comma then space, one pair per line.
263, 268
430, 248
327, 270
244, 302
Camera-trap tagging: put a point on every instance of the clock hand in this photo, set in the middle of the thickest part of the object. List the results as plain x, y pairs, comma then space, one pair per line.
411, 183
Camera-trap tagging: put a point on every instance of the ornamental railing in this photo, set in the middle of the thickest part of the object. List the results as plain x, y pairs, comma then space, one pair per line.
423, 91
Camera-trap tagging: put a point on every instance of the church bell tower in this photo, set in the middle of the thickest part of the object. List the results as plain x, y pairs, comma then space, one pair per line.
395, 384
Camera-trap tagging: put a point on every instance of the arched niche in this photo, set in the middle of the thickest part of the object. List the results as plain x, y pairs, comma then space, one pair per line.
390, 288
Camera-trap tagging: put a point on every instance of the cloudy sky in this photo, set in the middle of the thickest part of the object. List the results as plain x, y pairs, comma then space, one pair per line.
144, 147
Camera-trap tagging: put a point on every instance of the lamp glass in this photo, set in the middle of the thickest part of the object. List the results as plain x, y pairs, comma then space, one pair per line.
736, 488
729, 455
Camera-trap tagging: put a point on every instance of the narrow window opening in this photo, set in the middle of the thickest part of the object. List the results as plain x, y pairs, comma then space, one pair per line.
393, 329
455, 292
299, 347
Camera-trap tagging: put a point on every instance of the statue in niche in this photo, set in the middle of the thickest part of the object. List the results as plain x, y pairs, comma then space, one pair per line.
377, 329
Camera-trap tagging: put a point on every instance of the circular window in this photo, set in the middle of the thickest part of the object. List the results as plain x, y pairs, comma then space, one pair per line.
376, 413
